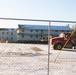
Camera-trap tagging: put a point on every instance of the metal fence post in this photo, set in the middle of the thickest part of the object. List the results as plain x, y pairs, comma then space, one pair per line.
48, 46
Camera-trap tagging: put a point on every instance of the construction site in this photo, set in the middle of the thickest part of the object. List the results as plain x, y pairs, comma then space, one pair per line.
57, 57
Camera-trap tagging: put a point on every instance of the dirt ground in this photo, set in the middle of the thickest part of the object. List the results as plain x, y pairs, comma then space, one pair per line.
32, 59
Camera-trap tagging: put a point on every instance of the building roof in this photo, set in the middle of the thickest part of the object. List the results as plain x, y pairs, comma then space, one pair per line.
45, 27
7, 29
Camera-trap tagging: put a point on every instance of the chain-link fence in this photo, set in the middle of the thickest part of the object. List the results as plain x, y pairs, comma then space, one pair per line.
35, 47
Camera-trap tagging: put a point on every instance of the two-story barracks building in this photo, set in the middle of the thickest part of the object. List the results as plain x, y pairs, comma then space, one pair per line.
8, 34
38, 32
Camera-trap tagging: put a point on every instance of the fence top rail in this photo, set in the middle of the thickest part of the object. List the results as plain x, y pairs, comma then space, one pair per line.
37, 20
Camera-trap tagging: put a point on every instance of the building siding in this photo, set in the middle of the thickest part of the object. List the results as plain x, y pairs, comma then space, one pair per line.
8, 34
36, 33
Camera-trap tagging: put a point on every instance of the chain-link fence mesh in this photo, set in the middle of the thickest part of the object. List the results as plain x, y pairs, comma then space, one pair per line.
35, 47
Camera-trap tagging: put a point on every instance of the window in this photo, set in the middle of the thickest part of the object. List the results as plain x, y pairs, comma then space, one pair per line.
7, 38
62, 30
11, 33
11, 38
41, 30
36, 36
56, 30
22, 30
22, 36
41, 36
7, 32
36, 30
2, 32
31, 36
31, 30
12, 29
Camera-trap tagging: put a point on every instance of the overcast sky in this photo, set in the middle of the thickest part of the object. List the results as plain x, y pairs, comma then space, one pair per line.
39, 9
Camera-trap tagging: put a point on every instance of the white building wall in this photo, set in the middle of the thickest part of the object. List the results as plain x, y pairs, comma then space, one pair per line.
30, 34
9, 35
27, 33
